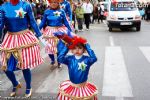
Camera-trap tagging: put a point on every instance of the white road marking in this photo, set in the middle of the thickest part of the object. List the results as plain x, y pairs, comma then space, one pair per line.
111, 40
116, 82
53, 80
146, 52
6, 84
119, 98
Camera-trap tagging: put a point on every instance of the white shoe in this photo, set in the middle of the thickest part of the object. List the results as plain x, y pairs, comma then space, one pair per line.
60, 66
87, 29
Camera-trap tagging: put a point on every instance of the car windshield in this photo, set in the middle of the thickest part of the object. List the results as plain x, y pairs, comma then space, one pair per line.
123, 6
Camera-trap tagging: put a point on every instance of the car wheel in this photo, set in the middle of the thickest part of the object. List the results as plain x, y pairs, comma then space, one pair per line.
110, 29
138, 28
123, 29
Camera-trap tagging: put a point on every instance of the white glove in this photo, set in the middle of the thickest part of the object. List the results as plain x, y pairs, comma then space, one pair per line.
43, 41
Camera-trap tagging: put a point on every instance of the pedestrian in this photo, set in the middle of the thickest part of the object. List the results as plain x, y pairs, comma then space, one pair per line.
78, 68
101, 13
74, 15
20, 47
55, 20
88, 9
79, 16
148, 12
95, 13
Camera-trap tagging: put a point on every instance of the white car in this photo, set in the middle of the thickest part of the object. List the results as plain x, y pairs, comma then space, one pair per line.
123, 14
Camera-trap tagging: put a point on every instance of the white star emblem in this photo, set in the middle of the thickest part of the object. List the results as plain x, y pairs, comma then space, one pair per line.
63, 6
57, 13
20, 13
82, 66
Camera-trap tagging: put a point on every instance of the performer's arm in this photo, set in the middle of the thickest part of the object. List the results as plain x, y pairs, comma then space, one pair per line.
2, 20
65, 21
69, 11
32, 21
62, 56
43, 22
92, 57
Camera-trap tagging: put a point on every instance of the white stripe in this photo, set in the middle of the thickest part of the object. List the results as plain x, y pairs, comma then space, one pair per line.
116, 81
119, 98
146, 52
111, 40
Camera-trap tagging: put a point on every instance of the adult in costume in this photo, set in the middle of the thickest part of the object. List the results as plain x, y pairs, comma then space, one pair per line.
1, 24
77, 88
20, 48
65, 5
55, 20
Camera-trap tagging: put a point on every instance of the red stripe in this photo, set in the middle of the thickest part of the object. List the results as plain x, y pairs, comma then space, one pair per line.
8, 42
88, 91
5, 42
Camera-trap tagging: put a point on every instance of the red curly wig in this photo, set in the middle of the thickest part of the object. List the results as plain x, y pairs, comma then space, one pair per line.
53, 1
77, 40
14, 2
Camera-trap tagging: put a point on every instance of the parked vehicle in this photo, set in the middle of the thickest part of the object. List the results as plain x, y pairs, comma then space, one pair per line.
123, 14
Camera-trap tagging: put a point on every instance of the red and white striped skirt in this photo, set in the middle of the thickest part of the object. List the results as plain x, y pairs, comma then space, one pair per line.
25, 44
47, 33
69, 91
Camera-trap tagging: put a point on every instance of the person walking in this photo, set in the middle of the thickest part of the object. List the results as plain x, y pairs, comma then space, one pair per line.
88, 9
80, 16
55, 20
20, 47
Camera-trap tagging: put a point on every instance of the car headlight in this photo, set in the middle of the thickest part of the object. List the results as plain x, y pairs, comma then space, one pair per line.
137, 17
113, 17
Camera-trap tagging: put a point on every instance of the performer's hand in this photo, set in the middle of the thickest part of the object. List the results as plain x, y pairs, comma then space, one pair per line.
44, 42
57, 34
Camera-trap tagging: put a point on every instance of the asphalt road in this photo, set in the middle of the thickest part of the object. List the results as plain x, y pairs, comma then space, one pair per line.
121, 72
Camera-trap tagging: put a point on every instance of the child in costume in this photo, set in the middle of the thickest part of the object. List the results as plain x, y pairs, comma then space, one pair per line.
77, 88
20, 47
54, 18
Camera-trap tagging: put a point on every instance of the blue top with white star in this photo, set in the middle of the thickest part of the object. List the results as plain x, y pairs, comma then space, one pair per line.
54, 18
1, 22
78, 68
65, 5
19, 17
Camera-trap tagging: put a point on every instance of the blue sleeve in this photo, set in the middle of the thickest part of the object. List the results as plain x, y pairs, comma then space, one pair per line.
65, 21
1, 21
69, 11
43, 22
92, 58
32, 21
62, 58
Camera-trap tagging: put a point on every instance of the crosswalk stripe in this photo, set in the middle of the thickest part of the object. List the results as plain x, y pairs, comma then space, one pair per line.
116, 82
146, 52
53, 80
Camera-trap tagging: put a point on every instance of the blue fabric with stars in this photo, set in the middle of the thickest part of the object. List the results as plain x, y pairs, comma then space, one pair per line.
67, 8
1, 22
19, 17
54, 18
0, 16
78, 68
